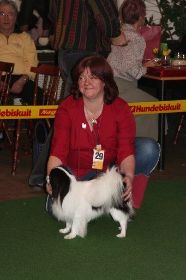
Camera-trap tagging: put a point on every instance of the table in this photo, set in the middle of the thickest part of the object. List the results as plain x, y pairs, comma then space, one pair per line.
164, 74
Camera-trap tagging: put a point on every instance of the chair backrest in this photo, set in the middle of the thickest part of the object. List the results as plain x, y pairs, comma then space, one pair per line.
46, 84
6, 70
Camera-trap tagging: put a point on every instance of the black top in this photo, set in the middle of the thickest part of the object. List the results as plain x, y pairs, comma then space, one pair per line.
26, 16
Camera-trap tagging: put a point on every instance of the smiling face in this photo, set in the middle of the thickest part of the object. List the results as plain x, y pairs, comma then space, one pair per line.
7, 19
90, 86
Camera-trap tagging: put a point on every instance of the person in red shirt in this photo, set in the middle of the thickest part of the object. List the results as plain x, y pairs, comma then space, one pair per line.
93, 122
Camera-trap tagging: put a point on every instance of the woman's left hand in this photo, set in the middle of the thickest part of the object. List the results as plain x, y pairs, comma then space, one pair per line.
127, 195
3, 86
151, 63
17, 86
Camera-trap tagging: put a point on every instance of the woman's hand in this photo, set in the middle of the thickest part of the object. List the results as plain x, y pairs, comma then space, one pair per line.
127, 168
49, 189
3, 86
151, 63
127, 195
48, 185
121, 40
18, 86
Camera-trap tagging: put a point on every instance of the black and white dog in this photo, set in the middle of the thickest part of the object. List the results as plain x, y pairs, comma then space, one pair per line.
78, 202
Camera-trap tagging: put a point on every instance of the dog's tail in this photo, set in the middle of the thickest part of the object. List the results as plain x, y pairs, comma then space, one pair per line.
107, 189
116, 184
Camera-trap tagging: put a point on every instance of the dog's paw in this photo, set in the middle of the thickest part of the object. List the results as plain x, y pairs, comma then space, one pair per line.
121, 235
64, 230
70, 236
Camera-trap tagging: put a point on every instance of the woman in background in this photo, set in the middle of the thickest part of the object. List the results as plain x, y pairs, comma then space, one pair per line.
17, 48
128, 67
33, 17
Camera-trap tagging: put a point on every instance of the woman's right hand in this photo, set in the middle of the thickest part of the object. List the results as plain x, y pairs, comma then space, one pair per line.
121, 40
52, 163
128, 191
49, 188
18, 85
151, 63
3, 86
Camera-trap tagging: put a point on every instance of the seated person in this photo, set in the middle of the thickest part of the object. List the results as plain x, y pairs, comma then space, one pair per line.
33, 17
17, 48
126, 63
94, 118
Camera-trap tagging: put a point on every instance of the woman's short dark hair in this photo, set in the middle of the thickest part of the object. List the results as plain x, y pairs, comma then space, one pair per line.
132, 10
99, 67
10, 3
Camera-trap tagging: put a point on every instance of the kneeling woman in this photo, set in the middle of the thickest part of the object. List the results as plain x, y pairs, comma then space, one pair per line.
94, 128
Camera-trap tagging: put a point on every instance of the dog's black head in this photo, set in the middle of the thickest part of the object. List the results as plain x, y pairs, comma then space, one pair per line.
60, 182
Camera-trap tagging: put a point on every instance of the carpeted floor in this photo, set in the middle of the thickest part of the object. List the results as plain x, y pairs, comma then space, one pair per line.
31, 247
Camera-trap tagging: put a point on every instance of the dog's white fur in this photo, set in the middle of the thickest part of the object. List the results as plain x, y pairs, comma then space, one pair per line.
87, 200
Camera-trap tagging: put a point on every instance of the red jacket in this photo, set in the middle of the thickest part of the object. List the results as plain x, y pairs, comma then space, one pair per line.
73, 141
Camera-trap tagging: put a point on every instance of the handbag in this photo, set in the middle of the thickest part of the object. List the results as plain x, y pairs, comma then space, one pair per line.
41, 131
41, 147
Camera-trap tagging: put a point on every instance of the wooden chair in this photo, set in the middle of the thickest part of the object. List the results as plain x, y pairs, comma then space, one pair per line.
47, 77
46, 91
6, 70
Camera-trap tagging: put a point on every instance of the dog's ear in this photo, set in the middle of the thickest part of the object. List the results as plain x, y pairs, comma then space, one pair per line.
60, 183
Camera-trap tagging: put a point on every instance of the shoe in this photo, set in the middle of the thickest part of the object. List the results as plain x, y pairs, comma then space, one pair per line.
37, 188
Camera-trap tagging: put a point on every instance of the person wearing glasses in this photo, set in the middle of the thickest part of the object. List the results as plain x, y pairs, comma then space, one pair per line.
127, 64
17, 48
